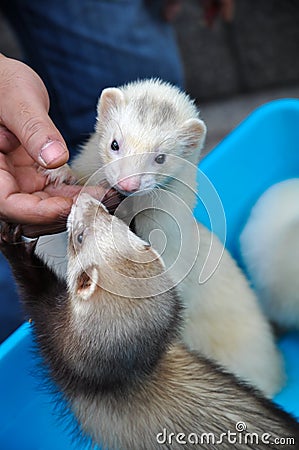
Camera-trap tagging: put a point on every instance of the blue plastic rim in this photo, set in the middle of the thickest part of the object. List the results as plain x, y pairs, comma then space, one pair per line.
261, 151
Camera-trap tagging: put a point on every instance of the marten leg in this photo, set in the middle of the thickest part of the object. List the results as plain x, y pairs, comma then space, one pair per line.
34, 278
11, 242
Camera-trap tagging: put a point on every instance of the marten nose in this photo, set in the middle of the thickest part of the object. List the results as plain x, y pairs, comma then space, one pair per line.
130, 184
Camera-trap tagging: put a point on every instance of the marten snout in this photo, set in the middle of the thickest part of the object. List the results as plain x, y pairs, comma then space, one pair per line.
130, 184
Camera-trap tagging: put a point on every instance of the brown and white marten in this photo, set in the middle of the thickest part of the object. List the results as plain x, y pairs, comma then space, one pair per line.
111, 338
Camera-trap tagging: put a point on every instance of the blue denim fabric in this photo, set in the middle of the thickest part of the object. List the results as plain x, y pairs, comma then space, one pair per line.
79, 47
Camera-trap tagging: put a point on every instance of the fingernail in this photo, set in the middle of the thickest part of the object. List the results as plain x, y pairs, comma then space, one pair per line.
51, 152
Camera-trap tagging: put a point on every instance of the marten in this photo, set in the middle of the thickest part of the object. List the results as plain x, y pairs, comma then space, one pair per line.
110, 336
147, 145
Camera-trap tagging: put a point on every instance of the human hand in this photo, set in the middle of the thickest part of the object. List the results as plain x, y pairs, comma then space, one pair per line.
211, 10
28, 140
218, 8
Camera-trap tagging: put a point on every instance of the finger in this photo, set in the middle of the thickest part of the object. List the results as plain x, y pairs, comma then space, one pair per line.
109, 197
227, 10
210, 11
35, 208
33, 231
8, 141
24, 109
72, 191
15, 179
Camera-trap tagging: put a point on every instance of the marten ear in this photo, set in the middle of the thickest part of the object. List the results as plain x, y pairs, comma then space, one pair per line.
110, 100
192, 134
87, 283
142, 250
150, 254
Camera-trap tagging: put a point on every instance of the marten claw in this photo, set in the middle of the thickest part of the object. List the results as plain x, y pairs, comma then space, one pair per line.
30, 246
11, 234
16, 234
57, 176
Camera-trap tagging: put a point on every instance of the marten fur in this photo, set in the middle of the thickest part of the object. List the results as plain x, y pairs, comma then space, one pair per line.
114, 348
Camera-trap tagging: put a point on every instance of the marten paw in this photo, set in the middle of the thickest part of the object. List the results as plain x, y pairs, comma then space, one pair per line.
60, 175
10, 233
11, 239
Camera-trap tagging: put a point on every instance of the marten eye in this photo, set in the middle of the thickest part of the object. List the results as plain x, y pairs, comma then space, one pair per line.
114, 146
160, 159
80, 237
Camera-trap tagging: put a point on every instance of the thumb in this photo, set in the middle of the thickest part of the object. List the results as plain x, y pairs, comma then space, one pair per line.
41, 139
24, 105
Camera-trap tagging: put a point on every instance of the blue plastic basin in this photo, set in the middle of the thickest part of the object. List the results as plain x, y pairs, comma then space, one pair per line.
263, 150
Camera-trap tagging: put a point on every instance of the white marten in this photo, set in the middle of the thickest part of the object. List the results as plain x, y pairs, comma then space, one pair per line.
117, 358
147, 140
270, 249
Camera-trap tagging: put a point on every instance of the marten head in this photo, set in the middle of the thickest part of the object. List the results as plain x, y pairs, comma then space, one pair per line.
141, 128
124, 312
